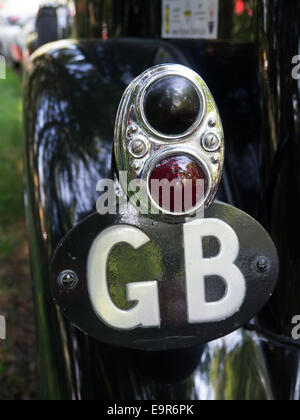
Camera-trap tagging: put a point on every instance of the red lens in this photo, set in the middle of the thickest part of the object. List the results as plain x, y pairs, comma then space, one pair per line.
178, 184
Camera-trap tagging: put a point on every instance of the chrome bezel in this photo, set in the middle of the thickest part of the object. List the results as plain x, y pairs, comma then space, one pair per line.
161, 145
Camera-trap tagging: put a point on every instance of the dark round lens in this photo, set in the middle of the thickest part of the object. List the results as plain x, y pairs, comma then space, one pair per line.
172, 105
174, 183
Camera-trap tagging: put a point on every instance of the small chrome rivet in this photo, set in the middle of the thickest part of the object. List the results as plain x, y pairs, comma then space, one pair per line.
211, 142
136, 165
262, 265
214, 159
212, 123
131, 131
67, 279
138, 148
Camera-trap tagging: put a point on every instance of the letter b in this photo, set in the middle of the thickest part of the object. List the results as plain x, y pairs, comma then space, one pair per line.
223, 265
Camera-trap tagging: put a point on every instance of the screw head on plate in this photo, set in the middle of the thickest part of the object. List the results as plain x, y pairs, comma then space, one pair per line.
262, 265
67, 279
211, 142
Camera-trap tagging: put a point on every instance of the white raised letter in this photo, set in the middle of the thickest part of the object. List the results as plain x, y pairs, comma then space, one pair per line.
197, 268
146, 312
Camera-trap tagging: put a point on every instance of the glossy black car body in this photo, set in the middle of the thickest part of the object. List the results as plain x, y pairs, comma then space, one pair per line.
72, 92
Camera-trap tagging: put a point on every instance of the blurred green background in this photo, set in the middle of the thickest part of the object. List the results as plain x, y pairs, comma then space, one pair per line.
17, 353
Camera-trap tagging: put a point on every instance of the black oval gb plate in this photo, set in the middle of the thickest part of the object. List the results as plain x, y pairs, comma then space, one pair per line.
132, 282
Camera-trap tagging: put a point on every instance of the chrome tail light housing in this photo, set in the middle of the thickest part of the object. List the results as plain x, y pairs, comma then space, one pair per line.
168, 126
